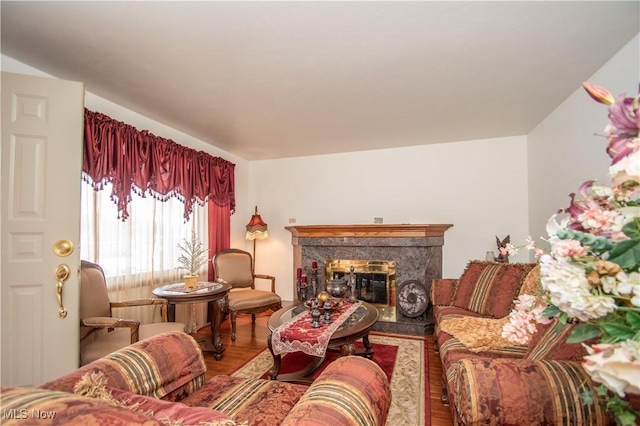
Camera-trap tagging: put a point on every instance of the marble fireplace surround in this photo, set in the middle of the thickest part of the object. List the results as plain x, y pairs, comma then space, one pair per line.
416, 249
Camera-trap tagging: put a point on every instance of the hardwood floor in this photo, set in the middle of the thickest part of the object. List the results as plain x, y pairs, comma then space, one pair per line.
251, 340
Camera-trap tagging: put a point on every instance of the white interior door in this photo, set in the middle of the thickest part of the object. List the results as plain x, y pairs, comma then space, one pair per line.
42, 135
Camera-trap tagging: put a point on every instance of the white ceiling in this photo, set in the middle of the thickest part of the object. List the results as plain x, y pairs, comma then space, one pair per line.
272, 79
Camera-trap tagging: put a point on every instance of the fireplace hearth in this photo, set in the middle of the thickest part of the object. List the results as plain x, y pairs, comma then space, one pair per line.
414, 250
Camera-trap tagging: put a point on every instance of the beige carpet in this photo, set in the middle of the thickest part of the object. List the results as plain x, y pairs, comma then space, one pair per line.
409, 378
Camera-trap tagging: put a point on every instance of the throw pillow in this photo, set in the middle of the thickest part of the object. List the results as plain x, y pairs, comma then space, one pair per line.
531, 283
477, 334
489, 288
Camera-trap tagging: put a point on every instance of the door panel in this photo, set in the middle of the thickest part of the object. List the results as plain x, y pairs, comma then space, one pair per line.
42, 134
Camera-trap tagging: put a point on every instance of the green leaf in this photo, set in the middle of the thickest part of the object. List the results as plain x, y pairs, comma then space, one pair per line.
551, 311
583, 332
618, 332
626, 419
587, 397
620, 409
626, 253
602, 390
632, 229
633, 318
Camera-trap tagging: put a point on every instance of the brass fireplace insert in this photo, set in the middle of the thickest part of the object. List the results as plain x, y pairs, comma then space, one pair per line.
375, 279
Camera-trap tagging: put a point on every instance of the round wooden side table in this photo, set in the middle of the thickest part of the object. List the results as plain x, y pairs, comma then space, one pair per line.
216, 298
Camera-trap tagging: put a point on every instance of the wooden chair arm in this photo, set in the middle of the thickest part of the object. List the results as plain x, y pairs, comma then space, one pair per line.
144, 302
138, 302
111, 323
268, 277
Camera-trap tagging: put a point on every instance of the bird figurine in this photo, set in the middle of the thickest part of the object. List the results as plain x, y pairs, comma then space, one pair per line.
503, 255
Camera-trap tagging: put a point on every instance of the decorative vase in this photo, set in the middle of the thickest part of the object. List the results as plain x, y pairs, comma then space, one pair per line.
191, 281
337, 287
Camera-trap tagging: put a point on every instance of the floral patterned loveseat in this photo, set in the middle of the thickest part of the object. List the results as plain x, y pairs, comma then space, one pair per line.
488, 380
161, 381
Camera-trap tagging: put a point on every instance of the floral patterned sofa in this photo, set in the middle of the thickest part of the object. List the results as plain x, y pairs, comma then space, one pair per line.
161, 381
487, 380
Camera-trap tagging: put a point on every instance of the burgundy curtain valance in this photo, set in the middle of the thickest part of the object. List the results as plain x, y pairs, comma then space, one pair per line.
140, 162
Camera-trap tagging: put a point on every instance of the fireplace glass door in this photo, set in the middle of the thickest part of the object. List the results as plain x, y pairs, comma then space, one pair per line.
375, 280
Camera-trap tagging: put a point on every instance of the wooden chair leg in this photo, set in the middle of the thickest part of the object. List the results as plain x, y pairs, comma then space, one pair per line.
233, 326
253, 317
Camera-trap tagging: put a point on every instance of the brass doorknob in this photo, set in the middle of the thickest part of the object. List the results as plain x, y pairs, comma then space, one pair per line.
63, 248
62, 274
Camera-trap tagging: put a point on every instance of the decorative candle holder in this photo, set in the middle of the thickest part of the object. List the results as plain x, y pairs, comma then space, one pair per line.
315, 315
314, 279
303, 288
299, 285
352, 285
327, 312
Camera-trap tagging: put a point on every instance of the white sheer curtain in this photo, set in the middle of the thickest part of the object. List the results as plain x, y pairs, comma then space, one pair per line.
140, 253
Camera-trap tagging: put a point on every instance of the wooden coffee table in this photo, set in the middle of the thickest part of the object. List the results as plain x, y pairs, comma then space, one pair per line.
356, 327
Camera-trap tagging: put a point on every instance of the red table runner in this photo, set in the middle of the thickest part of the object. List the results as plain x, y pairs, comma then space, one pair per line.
297, 335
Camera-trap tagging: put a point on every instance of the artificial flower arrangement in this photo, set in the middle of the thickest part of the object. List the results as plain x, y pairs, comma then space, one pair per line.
592, 273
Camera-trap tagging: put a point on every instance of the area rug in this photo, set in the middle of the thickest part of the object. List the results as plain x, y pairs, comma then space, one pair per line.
404, 361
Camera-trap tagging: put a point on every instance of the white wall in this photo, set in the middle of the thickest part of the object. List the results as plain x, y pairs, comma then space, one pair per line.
117, 112
478, 186
563, 151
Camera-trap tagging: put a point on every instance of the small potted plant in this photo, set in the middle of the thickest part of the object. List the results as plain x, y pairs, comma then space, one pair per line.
193, 257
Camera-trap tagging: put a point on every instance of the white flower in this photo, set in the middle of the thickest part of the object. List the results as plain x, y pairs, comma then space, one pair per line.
553, 226
628, 168
602, 191
570, 291
629, 213
615, 366
609, 285
629, 285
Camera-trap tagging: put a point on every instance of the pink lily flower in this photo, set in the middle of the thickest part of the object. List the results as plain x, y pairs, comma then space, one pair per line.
598, 93
577, 206
624, 127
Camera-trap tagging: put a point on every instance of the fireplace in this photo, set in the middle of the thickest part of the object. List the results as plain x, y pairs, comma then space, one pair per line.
415, 250
374, 280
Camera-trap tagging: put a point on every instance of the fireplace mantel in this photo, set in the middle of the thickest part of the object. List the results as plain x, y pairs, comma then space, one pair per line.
375, 230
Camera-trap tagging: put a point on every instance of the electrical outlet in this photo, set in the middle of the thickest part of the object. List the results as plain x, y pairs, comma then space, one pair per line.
292, 220
377, 220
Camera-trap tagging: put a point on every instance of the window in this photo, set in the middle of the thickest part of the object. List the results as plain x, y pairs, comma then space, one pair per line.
141, 251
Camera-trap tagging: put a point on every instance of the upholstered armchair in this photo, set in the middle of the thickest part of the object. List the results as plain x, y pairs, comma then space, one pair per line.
236, 268
100, 332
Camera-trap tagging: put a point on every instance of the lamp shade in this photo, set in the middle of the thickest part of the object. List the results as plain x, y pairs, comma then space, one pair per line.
256, 228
